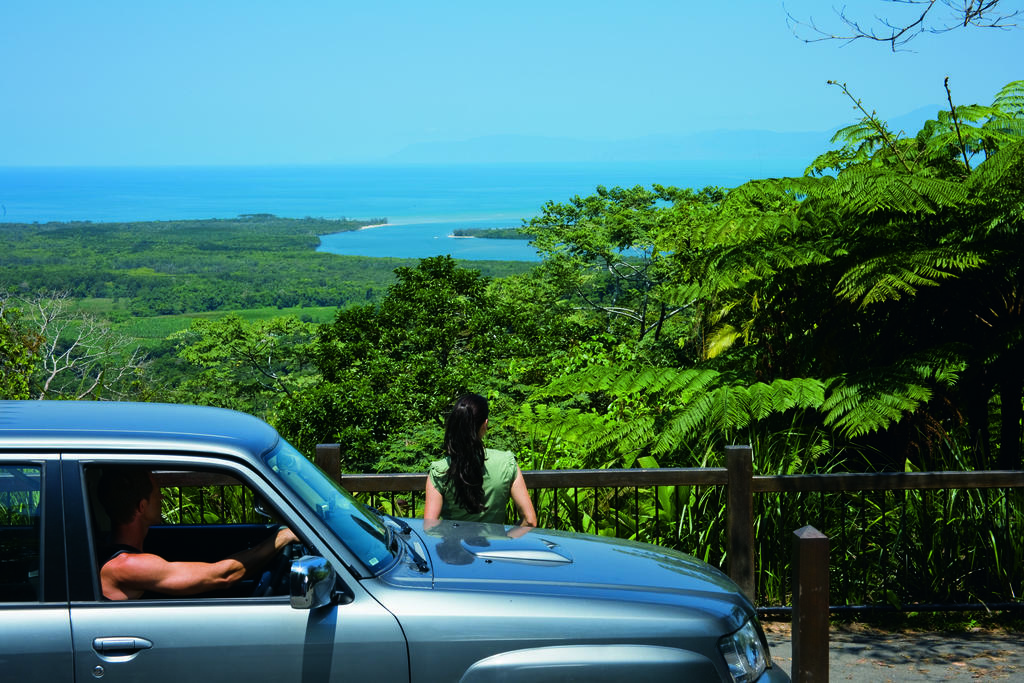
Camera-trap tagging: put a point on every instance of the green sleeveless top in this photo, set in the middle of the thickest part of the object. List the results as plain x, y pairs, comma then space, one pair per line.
499, 472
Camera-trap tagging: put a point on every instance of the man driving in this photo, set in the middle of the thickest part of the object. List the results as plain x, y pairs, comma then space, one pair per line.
132, 500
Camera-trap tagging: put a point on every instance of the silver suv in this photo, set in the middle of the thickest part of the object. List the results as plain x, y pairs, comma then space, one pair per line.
361, 597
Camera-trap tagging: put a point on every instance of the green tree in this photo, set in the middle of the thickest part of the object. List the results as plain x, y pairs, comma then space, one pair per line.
247, 366
389, 371
19, 351
604, 251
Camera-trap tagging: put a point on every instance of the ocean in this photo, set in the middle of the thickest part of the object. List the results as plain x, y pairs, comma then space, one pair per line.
422, 204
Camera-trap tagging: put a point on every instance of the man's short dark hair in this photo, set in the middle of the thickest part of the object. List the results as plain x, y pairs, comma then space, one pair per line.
121, 489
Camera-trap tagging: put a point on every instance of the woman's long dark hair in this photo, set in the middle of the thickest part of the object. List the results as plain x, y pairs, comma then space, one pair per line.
465, 451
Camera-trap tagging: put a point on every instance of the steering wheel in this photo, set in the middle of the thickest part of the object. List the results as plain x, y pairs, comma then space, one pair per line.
272, 576
274, 580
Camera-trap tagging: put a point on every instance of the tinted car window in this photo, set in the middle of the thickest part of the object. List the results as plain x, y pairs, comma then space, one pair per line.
20, 505
206, 515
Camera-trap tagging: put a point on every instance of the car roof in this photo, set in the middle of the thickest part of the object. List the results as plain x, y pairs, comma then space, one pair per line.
119, 425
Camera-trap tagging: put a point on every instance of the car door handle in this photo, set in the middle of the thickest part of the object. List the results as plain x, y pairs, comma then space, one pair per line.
120, 646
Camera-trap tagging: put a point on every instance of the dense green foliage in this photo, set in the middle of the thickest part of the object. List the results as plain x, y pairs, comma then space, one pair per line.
879, 304
19, 351
872, 305
173, 267
494, 233
389, 370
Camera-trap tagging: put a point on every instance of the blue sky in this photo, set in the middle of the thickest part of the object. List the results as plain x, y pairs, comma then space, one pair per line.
309, 81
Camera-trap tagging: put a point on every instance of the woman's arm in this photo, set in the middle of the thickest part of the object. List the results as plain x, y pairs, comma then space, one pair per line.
433, 502
521, 497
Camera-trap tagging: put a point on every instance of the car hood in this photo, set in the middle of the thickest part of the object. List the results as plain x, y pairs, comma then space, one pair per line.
491, 557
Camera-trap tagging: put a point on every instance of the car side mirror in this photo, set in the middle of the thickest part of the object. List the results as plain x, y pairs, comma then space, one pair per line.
311, 582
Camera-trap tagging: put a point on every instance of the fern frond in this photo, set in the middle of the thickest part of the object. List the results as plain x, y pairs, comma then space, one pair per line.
572, 426
1002, 172
895, 275
777, 193
685, 421
1010, 100
721, 340
969, 112
866, 190
783, 395
625, 437
729, 408
856, 409
677, 295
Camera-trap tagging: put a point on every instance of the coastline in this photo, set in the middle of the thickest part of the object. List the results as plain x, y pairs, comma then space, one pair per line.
425, 240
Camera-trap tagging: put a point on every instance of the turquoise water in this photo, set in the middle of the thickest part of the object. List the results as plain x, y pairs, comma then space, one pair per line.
423, 204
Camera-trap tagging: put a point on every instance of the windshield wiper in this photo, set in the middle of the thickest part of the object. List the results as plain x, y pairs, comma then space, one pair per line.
390, 520
391, 523
391, 540
403, 526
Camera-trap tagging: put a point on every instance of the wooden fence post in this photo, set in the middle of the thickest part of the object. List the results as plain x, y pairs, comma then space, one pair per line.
810, 606
328, 458
739, 461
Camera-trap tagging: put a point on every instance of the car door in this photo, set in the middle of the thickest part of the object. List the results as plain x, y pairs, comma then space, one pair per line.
231, 638
35, 629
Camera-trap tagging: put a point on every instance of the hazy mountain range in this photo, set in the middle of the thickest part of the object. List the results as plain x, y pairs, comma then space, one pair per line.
722, 145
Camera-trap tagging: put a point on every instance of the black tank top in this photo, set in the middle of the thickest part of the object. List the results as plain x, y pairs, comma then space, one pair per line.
112, 550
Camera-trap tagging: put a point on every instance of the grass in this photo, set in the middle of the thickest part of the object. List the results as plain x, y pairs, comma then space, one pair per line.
951, 622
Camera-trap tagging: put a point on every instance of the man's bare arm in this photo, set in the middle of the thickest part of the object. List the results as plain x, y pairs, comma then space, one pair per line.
129, 575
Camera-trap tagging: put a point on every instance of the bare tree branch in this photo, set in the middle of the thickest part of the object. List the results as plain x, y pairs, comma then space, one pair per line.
887, 137
81, 356
928, 16
956, 125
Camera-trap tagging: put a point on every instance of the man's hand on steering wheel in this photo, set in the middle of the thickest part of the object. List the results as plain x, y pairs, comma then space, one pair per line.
274, 580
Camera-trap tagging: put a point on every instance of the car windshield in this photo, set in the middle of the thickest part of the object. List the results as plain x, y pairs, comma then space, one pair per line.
359, 529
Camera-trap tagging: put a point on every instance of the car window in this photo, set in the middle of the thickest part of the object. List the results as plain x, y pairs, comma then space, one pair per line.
206, 515
20, 528
207, 497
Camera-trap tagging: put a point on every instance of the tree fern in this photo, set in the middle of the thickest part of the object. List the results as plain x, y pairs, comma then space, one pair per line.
881, 288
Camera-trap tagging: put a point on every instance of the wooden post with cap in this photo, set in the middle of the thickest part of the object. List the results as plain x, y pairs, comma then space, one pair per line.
810, 605
739, 461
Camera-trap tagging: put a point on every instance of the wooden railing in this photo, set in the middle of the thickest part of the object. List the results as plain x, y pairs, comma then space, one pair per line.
744, 493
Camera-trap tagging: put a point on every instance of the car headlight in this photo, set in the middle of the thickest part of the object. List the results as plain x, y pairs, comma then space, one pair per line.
744, 653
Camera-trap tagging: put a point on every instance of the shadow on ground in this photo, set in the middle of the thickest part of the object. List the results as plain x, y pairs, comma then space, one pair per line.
859, 653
